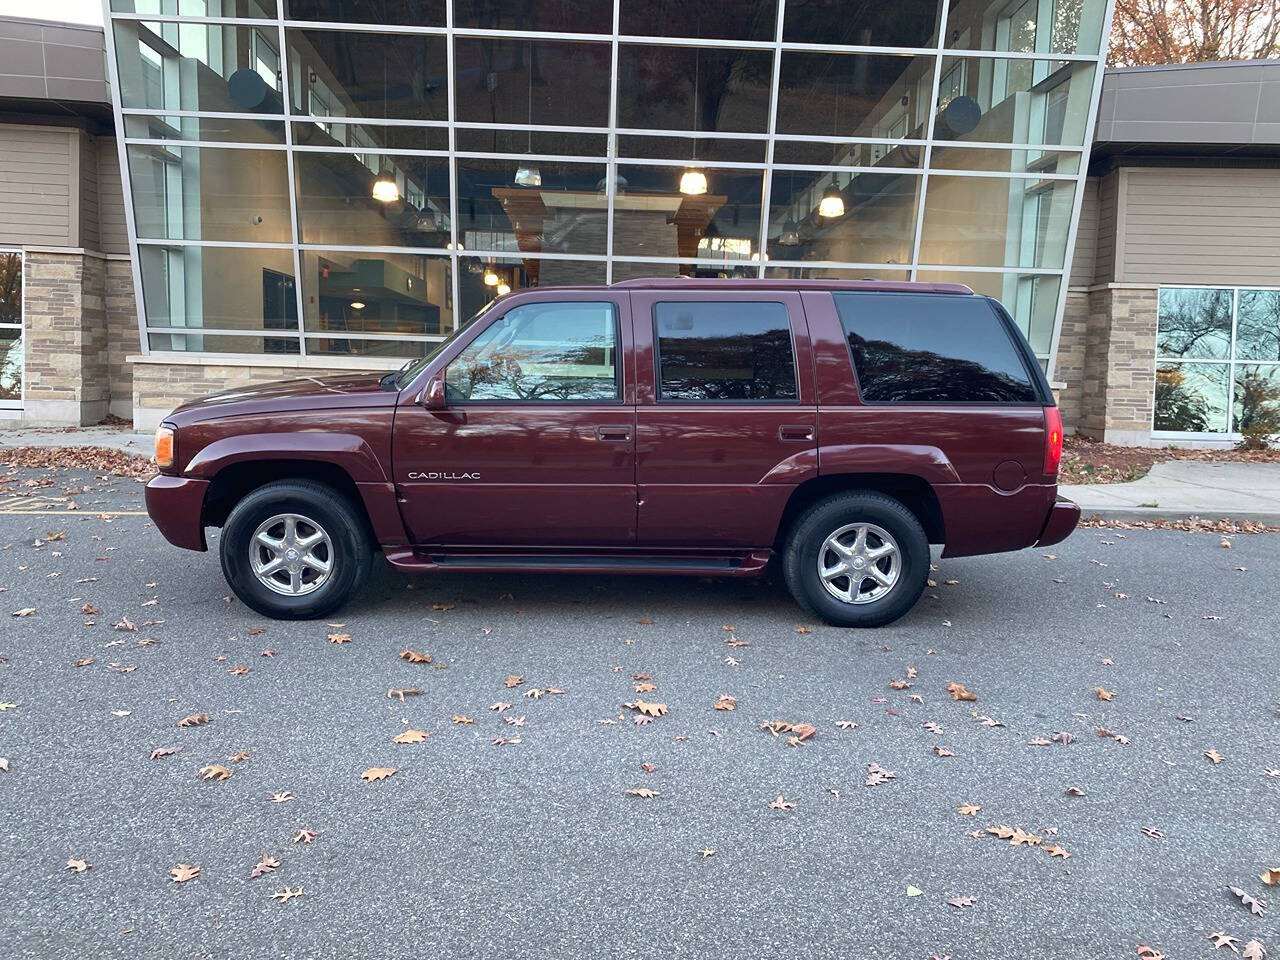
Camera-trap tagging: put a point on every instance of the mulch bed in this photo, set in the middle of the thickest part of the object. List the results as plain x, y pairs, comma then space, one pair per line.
1088, 461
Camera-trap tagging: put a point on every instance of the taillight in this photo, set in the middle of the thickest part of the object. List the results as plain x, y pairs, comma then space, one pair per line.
1052, 441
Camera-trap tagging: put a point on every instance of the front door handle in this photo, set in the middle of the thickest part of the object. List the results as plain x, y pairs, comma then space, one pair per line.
795, 433
613, 434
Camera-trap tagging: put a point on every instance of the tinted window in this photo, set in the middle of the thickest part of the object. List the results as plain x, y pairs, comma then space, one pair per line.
541, 351
932, 349
724, 351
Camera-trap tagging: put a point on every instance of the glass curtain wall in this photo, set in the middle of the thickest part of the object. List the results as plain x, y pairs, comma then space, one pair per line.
356, 178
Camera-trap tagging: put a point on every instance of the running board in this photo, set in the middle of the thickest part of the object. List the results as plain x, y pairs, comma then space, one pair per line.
749, 564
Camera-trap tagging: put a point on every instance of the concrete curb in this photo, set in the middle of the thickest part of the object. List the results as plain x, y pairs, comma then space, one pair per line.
1270, 518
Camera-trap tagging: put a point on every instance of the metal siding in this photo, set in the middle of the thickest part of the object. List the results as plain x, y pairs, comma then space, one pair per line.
1082, 260
36, 186
1105, 245
90, 236
1202, 226
115, 235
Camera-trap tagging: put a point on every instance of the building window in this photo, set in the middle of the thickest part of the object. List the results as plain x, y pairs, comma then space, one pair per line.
10, 329
1217, 360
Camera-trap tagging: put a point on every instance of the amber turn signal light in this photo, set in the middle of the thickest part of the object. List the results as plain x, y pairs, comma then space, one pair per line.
164, 446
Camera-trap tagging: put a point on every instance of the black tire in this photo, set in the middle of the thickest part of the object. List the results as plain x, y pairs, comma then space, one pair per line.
809, 532
342, 521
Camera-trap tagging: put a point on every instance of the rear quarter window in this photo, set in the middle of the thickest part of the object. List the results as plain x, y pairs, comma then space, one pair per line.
932, 348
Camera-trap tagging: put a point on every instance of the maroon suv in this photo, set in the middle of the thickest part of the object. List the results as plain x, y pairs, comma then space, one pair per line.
698, 427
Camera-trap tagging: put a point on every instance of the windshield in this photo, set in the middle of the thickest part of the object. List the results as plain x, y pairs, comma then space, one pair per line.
406, 374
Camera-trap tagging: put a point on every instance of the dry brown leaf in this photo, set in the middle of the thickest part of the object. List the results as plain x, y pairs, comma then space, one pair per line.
958, 692
1001, 832
943, 752
1255, 906
183, 872
377, 773
1222, 939
1270, 877
804, 629
513, 681
962, 901
401, 692
125, 625
1253, 950
305, 836
1149, 953
650, 709
159, 752
239, 671
1056, 851
413, 656
1104, 694
1214, 757
877, 775
1074, 792
85, 662
264, 866
215, 771
782, 803
646, 687
644, 621
195, 720
411, 736
644, 792
240, 756
462, 719
287, 894
726, 702
968, 809
24, 612
78, 866
899, 685
282, 796
339, 638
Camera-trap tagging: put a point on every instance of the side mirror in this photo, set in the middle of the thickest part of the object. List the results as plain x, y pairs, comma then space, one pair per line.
433, 398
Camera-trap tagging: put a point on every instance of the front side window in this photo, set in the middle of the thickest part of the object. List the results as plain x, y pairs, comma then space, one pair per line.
724, 351
546, 352
932, 348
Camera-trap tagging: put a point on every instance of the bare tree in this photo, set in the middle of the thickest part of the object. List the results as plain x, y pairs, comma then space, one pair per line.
1187, 31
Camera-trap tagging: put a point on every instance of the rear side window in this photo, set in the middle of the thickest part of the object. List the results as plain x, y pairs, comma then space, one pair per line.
932, 348
714, 351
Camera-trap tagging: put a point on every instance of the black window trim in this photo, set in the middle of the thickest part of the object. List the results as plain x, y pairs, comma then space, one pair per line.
618, 352
657, 354
1044, 396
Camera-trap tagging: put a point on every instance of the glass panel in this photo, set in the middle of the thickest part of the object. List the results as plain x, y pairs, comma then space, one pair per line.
982, 221
252, 9
1045, 26
388, 293
210, 193
481, 279
931, 349
414, 13
791, 271
532, 82
1031, 298
219, 288
550, 352
494, 140
633, 269
10, 287
345, 73
1191, 397
1256, 406
334, 133
842, 217
196, 66
692, 148
1194, 324
391, 348
552, 16
252, 344
700, 19
695, 212
1014, 101
724, 351
816, 153
692, 88
1258, 325
532, 206
907, 23
204, 128
1004, 161
10, 365
854, 95
374, 199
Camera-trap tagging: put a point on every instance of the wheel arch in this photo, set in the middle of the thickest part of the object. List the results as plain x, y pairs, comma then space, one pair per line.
912, 491
235, 481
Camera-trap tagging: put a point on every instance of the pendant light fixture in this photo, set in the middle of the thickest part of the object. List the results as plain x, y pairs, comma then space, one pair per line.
504, 289
528, 174
491, 278
693, 182
831, 206
385, 188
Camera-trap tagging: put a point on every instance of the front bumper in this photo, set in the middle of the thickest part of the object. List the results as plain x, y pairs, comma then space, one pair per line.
176, 505
1063, 517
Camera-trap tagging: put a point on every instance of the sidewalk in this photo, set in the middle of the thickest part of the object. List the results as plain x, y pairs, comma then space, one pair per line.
1178, 489
114, 438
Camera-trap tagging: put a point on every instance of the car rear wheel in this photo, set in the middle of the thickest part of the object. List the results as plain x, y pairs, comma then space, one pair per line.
857, 559
295, 549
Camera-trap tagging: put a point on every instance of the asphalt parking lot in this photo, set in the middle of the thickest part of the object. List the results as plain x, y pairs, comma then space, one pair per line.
502, 839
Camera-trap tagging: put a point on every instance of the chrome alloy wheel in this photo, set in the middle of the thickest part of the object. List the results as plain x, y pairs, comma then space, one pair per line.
291, 555
858, 556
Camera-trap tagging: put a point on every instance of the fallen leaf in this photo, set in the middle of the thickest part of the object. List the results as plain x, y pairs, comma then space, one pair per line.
645, 687
159, 752
932, 728
24, 612
513, 681
402, 692
644, 792
1056, 851
782, 803
85, 662
183, 872
413, 656
305, 836
1253, 950
283, 796
195, 720
411, 736
877, 775
962, 901
726, 702
1001, 832
239, 671
706, 852
125, 625
968, 810
803, 629
847, 724
287, 894
215, 771
1214, 757
1149, 953
1074, 792
462, 719
377, 773
958, 692
339, 638
942, 752
1155, 833
644, 621
1270, 877
1255, 906
650, 709
1221, 940
505, 742
535, 693
240, 756
913, 891
1104, 694
78, 866
264, 866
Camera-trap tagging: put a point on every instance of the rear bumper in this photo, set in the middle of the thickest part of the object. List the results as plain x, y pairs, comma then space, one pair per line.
1063, 517
176, 505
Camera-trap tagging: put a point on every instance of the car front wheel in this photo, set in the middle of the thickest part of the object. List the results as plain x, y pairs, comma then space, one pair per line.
295, 549
857, 559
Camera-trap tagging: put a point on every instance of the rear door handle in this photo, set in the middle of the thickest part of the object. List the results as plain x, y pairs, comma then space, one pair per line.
613, 434
795, 433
